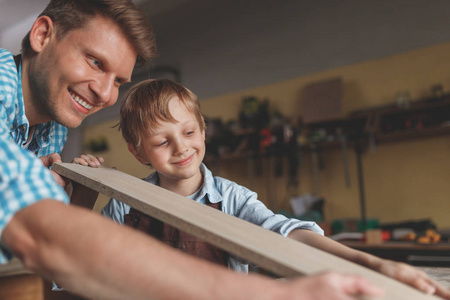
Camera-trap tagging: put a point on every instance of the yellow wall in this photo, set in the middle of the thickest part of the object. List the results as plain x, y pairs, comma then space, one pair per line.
404, 180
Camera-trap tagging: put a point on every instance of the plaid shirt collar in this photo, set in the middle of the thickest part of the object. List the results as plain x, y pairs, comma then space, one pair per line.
43, 133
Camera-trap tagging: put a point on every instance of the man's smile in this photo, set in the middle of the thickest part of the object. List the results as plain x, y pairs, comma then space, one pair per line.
80, 101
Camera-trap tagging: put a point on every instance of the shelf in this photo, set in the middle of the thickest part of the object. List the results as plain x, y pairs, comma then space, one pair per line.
384, 124
413, 134
424, 118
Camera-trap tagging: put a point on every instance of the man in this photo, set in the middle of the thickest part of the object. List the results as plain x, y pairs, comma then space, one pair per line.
75, 57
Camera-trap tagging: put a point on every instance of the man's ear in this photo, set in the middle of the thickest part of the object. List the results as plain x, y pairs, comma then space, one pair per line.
41, 33
136, 155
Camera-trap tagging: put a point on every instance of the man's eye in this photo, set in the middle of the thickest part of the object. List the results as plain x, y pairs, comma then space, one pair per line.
96, 62
189, 132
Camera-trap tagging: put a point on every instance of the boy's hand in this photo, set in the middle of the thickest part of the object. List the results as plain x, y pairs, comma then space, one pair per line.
89, 160
412, 276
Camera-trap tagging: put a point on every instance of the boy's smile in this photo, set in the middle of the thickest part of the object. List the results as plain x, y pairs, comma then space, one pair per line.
186, 161
175, 150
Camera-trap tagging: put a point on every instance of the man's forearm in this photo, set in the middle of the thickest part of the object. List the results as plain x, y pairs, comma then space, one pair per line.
91, 256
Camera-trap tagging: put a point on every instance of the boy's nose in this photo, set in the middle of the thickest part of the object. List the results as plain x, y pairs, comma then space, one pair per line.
180, 147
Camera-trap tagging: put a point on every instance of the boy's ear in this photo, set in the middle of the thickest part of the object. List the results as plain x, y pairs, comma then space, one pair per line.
136, 155
41, 32
204, 128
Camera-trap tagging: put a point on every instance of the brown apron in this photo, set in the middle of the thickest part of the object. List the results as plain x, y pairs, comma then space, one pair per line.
177, 238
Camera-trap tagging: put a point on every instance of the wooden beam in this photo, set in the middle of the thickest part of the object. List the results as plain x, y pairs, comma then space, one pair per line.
269, 250
22, 287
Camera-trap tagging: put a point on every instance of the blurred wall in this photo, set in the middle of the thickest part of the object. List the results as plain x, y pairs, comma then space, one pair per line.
404, 180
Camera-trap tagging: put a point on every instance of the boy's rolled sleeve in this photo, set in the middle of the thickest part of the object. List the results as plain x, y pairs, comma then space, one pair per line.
256, 212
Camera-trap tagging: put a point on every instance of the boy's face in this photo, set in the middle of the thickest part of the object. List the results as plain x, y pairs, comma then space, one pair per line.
80, 74
175, 150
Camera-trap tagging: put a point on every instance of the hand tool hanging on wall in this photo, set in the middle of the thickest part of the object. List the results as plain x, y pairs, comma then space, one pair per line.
254, 114
294, 154
266, 151
359, 149
294, 157
371, 128
315, 168
321, 102
343, 140
277, 124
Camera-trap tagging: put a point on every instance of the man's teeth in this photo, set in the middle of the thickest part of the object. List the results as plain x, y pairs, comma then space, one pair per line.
81, 102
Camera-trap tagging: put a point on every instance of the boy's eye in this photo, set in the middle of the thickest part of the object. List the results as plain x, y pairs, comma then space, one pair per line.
189, 132
163, 143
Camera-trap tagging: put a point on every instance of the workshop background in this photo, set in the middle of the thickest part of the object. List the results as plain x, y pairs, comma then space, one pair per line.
290, 89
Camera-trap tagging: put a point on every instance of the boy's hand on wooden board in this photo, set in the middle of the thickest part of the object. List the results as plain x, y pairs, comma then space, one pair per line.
89, 160
412, 276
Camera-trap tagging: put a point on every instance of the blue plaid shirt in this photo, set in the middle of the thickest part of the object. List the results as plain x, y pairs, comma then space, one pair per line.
23, 178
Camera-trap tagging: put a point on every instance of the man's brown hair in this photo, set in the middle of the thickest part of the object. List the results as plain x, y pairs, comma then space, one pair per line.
146, 104
68, 15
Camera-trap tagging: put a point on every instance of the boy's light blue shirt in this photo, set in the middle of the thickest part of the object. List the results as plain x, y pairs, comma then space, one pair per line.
236, 200
23, 178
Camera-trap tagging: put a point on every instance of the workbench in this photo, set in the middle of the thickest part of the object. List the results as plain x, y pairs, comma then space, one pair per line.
426, 255
441, 275
17, 283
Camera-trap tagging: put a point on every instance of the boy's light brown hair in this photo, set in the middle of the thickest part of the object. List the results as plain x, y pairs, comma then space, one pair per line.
68, 15
146, 104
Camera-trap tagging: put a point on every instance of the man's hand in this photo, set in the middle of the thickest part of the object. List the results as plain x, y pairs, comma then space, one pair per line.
334, 286
48, 160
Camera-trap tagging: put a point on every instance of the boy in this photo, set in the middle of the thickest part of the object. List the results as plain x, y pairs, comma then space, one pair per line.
162, 124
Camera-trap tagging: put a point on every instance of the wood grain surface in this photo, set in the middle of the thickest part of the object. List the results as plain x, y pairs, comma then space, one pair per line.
21, 287
271, 251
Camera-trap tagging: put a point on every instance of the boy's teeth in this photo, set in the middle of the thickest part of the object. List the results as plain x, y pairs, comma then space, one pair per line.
81, 102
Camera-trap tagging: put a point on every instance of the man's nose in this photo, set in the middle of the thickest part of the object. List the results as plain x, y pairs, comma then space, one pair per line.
104, 88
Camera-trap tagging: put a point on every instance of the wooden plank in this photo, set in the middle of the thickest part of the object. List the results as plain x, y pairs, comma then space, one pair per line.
22, 287
271, 251
14, 267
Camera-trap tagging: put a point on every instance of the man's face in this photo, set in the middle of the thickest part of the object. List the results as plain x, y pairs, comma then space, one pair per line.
80, 74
